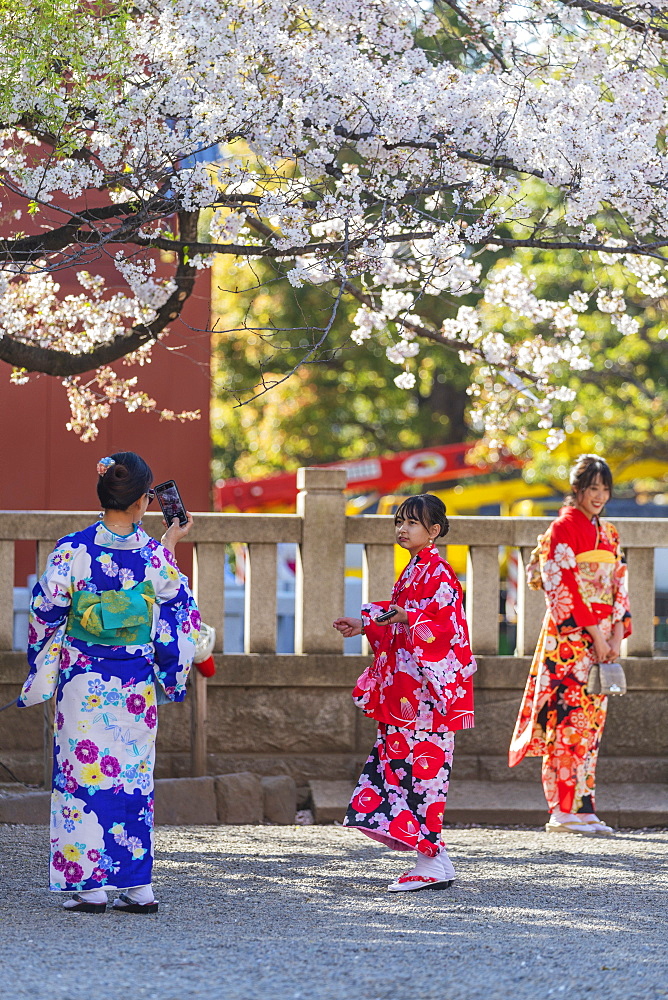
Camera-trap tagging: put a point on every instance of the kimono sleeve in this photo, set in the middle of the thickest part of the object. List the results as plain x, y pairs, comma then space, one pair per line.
439, 636
570, 611
49, 608
375, 633
436, 620
621, 609
176, 627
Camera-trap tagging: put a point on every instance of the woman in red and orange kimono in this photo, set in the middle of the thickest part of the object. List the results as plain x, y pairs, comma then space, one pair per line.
587, 617
420, 692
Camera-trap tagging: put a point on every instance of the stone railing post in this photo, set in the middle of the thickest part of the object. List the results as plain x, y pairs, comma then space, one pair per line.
321, 559
377, 576
6, 594
640, 563
260, 601
530, 609
209, 588
482, 598
378, 571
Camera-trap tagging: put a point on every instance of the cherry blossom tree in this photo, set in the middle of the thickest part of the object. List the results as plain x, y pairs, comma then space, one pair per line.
402, 153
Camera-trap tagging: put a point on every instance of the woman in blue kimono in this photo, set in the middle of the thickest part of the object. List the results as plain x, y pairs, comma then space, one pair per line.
112, 634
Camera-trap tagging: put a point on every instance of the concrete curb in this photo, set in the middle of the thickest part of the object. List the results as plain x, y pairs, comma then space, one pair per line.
27, 808
178, 800
241, 798
514, 803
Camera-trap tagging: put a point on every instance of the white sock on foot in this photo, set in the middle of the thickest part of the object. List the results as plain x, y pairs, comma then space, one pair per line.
430, 867
140, 894
446, 864
87, 896
563, 817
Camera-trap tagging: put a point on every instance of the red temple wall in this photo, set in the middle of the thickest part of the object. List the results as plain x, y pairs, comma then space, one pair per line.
46, 467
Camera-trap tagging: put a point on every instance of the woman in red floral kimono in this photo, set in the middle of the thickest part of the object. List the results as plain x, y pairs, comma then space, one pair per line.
419, 690
587, 617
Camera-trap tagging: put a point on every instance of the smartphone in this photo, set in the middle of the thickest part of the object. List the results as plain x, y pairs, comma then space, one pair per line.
168, 496
385, 617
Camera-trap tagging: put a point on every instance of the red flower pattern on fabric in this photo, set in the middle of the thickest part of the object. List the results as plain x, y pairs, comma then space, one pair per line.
558, 719
366, 800
405, 827
428, 759
421, 674
396, 746
434, 816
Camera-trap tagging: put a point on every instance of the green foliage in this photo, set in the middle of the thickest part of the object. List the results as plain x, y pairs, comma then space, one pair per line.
345, 405
43, 45
342, 406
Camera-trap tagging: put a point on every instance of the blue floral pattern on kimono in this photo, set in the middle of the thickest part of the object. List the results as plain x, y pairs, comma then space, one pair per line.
106, 704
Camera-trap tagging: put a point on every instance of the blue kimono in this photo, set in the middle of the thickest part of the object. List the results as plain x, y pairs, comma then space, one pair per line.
112, 632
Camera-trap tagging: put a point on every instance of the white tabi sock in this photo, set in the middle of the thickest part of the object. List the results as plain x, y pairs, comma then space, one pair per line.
141, 894
87, 896
439, 867
427, 866
563, 817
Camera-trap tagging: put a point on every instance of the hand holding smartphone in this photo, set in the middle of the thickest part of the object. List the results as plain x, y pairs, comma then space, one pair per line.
386, 616
171, 504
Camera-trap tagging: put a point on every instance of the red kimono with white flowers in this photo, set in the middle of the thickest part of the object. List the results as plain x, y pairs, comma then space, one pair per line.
421, 673
419, 689
584, 579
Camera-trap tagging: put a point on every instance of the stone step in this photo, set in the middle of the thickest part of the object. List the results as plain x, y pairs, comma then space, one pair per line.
239, 798
514, 803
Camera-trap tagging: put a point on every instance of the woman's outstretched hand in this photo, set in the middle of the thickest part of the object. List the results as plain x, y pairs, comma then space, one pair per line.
175, 533
348, 627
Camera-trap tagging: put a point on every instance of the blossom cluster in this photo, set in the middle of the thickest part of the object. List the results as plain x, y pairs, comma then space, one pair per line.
326, 136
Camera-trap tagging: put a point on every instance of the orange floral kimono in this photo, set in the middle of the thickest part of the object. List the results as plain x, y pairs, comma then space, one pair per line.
584, 579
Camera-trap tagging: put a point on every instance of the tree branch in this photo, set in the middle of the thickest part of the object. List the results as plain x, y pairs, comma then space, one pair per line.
333, 246
623, 372
478, 33
440, 139
63, 364
428, 333
245, 250
638, 249
616, 14
28, 248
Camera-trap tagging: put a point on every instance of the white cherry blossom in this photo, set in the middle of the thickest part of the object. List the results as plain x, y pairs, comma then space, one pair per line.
327, 138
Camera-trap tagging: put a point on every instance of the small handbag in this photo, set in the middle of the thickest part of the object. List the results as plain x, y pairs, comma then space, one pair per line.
606, 678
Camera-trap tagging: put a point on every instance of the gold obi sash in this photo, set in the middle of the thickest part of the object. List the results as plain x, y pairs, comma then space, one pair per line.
113, 617
596, 556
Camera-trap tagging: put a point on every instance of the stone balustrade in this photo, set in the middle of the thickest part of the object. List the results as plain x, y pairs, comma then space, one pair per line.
291, 713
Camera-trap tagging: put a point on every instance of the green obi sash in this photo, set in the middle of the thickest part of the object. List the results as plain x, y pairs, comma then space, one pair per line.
113, 617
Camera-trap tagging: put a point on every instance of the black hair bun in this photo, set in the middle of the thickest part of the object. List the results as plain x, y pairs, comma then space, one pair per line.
124, 482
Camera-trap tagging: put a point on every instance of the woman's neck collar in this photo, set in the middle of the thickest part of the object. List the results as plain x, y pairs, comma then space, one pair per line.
425, 550
131, 527
592, 518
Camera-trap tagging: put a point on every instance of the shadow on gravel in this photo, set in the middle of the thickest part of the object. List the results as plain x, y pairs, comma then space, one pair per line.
284, 913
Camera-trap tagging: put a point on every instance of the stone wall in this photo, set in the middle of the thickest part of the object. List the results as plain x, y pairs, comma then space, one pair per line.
292, 714
282, 715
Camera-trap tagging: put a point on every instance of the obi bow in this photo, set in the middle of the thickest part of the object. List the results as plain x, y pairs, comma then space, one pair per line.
113, 617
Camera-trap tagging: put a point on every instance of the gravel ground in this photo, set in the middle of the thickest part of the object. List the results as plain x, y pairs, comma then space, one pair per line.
301, 913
